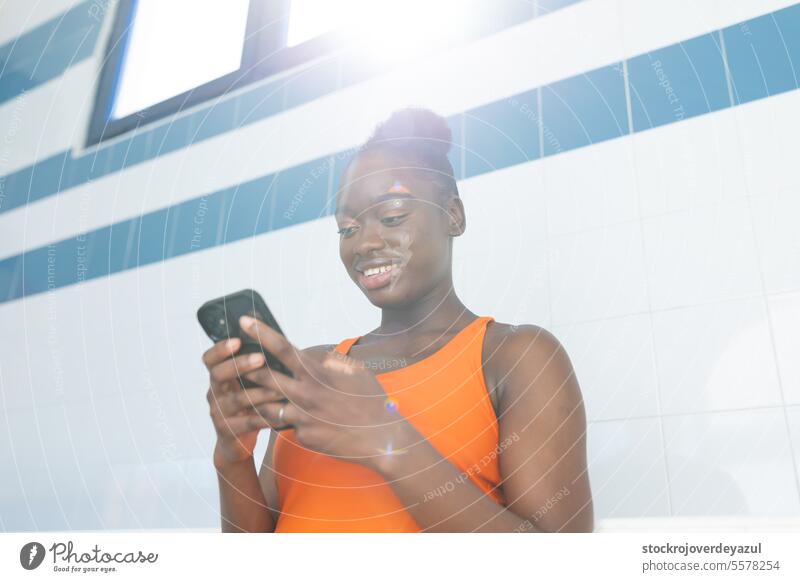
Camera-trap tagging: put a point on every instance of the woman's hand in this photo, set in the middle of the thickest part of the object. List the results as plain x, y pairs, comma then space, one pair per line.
232, 408
336, 404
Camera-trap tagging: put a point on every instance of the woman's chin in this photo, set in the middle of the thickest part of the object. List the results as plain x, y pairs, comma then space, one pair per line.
385, 297
388, 296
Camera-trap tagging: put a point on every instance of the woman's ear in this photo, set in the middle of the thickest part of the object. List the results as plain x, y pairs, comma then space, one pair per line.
457, 220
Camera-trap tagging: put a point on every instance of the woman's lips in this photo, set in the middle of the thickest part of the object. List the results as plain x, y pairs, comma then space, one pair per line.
379, 280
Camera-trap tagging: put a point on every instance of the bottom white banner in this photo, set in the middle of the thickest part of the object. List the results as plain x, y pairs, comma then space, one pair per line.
422, 557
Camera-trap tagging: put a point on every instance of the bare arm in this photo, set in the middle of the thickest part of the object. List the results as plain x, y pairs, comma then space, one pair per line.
242, 502
268, 480
241, 498
545, 477
543, 465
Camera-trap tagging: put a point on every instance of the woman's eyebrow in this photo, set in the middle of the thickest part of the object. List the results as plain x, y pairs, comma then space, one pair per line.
345, 209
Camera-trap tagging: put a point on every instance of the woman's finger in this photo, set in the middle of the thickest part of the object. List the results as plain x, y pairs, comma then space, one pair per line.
221, 351
244, 401
275, 343
238, 425
233, 368
276, 381
272, 412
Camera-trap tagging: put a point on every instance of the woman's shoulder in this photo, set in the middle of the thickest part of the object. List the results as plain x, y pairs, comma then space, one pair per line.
510, 348
510, 338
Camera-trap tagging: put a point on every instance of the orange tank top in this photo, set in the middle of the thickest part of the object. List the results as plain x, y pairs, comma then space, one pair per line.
444, 397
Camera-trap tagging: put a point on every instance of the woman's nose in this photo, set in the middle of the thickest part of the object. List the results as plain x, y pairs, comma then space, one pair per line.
370, 239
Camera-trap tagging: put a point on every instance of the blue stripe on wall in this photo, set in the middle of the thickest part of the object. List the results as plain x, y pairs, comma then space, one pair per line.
500, 134
46, 51
760, 62
678, 82
62, 171
667, 86
249, 209
583, 110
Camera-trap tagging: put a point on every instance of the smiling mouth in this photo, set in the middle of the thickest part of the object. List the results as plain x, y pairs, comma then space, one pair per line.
378, 270
378, 277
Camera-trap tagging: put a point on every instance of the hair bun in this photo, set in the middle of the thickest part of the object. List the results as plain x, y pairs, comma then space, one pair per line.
425, 131
419, 136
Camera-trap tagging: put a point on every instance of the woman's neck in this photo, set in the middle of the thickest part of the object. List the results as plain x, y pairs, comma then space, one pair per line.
440, 309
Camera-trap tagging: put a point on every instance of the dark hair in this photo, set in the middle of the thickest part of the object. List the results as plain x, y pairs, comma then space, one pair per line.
419, 136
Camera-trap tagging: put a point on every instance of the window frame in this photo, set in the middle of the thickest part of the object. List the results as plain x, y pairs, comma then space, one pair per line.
264, 54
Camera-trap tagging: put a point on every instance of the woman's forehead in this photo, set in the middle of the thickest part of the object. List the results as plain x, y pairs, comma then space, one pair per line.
378, 168
366, 182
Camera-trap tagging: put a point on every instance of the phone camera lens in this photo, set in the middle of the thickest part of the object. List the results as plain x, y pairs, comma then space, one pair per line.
217, 325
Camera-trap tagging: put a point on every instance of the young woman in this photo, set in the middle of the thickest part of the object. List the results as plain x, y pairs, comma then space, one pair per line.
438, 419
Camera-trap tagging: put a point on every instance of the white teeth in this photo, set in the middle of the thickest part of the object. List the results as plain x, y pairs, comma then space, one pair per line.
377, 270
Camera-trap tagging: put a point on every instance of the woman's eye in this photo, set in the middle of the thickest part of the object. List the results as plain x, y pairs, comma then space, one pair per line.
346, 231
392, 220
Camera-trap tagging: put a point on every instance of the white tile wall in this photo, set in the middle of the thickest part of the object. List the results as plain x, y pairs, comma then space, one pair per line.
71, 483
594, 24
626, 468
649, 25
778, 238
785, 314
62, 350
793, 418
770, 133
703, 254
615, 366
602, 193
512, 289
500, 262
502, 207
684, 165
731, 463
597, 274
715, 357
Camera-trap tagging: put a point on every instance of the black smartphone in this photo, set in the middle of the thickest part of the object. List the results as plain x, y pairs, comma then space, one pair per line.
220, 320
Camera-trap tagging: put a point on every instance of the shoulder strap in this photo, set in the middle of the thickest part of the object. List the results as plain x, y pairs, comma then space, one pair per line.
344, 346
494, 395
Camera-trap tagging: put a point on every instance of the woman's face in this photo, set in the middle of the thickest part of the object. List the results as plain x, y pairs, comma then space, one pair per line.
395, 227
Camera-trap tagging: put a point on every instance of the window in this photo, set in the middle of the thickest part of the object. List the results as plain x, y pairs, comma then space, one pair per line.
389, 27
168, 53
163, 56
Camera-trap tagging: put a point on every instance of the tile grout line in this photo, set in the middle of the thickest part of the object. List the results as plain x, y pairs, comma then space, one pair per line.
774, 407
543, 181
640, 222
762, 281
